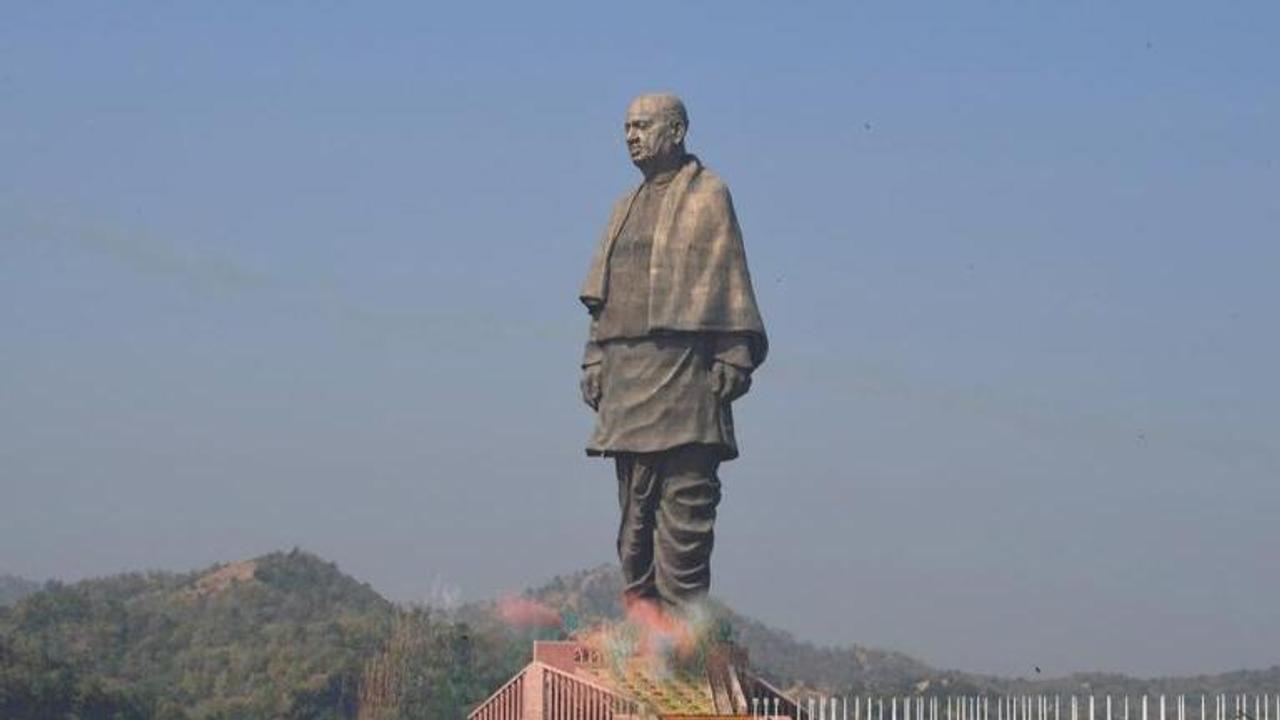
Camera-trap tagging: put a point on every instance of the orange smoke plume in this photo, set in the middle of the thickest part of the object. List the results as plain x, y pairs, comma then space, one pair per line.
526, 613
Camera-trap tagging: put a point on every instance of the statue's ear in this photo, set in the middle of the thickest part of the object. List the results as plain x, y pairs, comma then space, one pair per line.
678, 131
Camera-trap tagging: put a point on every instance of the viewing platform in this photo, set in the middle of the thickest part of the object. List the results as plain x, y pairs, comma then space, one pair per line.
570, 680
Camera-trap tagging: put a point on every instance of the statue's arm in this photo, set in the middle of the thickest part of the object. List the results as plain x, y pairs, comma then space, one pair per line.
734, 349
591, 353
731, 370
592, 356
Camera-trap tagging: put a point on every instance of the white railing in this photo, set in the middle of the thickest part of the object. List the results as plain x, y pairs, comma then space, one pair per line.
565, 696
507, 703
1250, 706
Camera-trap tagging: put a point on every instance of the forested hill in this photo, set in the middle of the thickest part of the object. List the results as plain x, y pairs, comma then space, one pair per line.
288, 635
14, 588
594, 594
850, 669
255, 637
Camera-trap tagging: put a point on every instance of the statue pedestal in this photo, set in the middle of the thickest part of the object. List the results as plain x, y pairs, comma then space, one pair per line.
573, 680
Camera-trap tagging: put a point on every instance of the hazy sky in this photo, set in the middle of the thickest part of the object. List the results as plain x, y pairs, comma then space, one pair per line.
277, 274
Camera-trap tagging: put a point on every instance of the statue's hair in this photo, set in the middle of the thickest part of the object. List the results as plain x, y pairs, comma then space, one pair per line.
672, 107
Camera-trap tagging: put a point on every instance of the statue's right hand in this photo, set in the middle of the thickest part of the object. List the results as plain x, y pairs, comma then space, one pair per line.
590, 385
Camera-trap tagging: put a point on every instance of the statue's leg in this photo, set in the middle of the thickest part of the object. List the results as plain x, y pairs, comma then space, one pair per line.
686, 521
638, 500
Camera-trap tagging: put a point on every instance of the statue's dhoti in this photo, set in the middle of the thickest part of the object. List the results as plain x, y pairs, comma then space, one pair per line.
668, 502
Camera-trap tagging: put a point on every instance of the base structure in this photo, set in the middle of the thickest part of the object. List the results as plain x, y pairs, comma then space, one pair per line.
573, 681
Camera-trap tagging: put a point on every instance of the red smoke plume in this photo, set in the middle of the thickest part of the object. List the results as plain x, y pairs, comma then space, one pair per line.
523, 612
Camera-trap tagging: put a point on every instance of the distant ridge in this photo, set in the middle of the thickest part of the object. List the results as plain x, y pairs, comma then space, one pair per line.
280, 636
289, 635
14, 588
594, 594
856, 669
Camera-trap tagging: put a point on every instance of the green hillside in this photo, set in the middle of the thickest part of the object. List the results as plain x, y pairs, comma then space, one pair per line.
288, 635
13, 589
856, 669
594, 594
260, 638
283, 636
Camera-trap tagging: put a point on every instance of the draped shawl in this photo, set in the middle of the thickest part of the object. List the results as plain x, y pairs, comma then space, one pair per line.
698, 279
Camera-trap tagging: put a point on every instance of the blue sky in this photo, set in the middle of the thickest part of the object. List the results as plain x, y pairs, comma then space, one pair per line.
305, 274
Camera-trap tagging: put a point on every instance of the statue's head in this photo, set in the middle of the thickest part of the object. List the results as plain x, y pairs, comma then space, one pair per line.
655, 129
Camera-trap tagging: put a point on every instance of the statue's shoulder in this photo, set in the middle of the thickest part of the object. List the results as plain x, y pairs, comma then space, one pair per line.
709, 186
625, 196
624, 199
709, 179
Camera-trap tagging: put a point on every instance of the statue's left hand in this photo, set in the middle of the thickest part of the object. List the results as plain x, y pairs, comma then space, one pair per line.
590, 386
729, 382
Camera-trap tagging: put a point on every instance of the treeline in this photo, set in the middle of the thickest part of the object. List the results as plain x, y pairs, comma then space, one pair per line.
13, 589
774, 654
284, 636
289, 636
859, 670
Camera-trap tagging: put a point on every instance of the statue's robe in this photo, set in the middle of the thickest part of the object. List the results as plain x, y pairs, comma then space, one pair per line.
670, 294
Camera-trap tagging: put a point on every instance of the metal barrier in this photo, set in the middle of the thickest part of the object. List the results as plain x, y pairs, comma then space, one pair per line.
1252, 706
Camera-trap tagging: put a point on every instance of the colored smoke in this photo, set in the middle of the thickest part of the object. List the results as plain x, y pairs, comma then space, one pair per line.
525, 613
652, 638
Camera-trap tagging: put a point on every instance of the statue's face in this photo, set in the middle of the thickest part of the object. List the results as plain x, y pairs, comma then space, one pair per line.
652, 134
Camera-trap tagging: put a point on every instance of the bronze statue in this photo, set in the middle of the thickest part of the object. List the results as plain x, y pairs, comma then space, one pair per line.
674, 337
